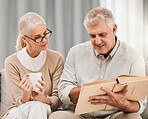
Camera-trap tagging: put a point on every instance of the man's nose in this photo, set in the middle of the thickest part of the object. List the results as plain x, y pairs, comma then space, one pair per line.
97, 40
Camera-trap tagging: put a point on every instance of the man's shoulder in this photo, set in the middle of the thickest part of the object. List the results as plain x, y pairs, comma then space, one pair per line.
127, 50
86, 45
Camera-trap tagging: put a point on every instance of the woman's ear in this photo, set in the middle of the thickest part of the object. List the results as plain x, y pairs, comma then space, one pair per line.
25, 40
23, 37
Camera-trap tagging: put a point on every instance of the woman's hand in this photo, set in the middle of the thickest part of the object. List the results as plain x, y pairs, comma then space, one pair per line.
38, 95
26, 86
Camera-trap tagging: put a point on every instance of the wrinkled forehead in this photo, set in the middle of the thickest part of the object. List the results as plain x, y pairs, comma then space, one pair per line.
102, 26
38, 30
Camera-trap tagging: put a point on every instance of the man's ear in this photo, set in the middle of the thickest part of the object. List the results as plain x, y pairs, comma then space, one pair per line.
114, 29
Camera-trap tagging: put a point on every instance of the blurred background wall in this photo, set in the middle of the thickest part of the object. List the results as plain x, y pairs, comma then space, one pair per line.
65, 19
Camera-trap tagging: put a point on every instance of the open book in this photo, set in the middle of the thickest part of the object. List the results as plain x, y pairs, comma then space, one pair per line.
137, 90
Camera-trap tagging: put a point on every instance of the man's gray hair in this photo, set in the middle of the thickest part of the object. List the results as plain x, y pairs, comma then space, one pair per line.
94, 16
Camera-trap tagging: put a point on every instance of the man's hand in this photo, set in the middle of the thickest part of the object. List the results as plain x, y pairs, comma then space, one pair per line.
115, 99
74, 94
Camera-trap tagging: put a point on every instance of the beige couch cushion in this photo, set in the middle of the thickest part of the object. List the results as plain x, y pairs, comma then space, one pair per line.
5, 94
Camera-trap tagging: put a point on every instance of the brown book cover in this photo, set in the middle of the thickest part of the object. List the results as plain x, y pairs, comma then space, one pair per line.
137, 90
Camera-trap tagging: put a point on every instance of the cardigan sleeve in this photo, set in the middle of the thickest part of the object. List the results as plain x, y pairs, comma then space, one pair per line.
13, 79
54, 98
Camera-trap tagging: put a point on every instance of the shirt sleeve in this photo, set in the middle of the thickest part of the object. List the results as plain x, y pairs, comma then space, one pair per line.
138, 69
68, 78
54, 98
143, 105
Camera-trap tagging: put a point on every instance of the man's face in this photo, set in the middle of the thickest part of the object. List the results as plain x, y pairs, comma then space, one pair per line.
102, 37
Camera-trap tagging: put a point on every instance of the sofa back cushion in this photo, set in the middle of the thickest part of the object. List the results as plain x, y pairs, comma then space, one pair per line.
5, 93
146, 68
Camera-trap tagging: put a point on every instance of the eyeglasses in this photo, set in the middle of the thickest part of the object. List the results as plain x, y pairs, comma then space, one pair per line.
47, 34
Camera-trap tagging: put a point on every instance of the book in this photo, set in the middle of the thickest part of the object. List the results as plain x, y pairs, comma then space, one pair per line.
137, 90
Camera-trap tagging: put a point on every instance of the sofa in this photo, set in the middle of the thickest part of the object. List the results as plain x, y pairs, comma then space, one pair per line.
5, 100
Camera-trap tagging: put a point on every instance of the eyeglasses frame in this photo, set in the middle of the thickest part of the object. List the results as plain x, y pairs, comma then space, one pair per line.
41, 37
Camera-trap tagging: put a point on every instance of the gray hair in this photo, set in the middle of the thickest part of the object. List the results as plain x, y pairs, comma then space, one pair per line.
94, 16
26, 24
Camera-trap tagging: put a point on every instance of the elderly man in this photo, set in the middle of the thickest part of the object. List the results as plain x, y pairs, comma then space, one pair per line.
104, 57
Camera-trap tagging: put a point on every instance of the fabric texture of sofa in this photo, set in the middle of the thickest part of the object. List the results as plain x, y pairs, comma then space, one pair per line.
5, 99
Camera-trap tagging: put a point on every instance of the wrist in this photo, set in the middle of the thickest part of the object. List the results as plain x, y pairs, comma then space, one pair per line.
46, 100
25, 98
74, 94
131, 106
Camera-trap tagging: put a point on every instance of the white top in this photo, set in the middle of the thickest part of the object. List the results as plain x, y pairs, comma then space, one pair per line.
33, 64
84, 65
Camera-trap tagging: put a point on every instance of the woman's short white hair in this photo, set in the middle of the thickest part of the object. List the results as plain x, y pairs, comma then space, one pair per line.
26, 24
94, 16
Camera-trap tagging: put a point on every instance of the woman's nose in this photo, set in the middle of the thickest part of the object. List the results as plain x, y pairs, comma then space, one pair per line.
44, 39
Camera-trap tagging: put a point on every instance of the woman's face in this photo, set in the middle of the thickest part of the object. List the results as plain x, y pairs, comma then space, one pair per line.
38, 32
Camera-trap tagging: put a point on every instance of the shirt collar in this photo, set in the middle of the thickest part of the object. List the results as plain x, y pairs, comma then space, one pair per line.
113, 51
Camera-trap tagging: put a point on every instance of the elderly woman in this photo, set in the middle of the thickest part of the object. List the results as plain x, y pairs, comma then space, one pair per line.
32, 57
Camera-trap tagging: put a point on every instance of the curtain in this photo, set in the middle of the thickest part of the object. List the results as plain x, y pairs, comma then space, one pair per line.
145, 29
65, 19
132, 22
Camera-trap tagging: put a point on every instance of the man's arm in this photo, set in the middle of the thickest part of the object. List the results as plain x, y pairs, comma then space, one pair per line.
68, 82
74, 94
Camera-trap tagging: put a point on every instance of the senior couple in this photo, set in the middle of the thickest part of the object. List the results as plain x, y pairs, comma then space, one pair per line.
104, 56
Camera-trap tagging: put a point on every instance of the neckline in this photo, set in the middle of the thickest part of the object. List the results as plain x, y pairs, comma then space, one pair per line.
31, 70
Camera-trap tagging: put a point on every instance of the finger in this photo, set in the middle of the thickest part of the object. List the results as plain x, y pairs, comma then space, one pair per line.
96, 103
40, 87
43, 78
26, 83
99, 98
109, 92
125, 89
22, 82
30, 87
37, 91
41, 82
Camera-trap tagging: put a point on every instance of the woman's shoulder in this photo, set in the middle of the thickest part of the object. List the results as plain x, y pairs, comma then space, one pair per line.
11, 58
53, 53
12, 61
